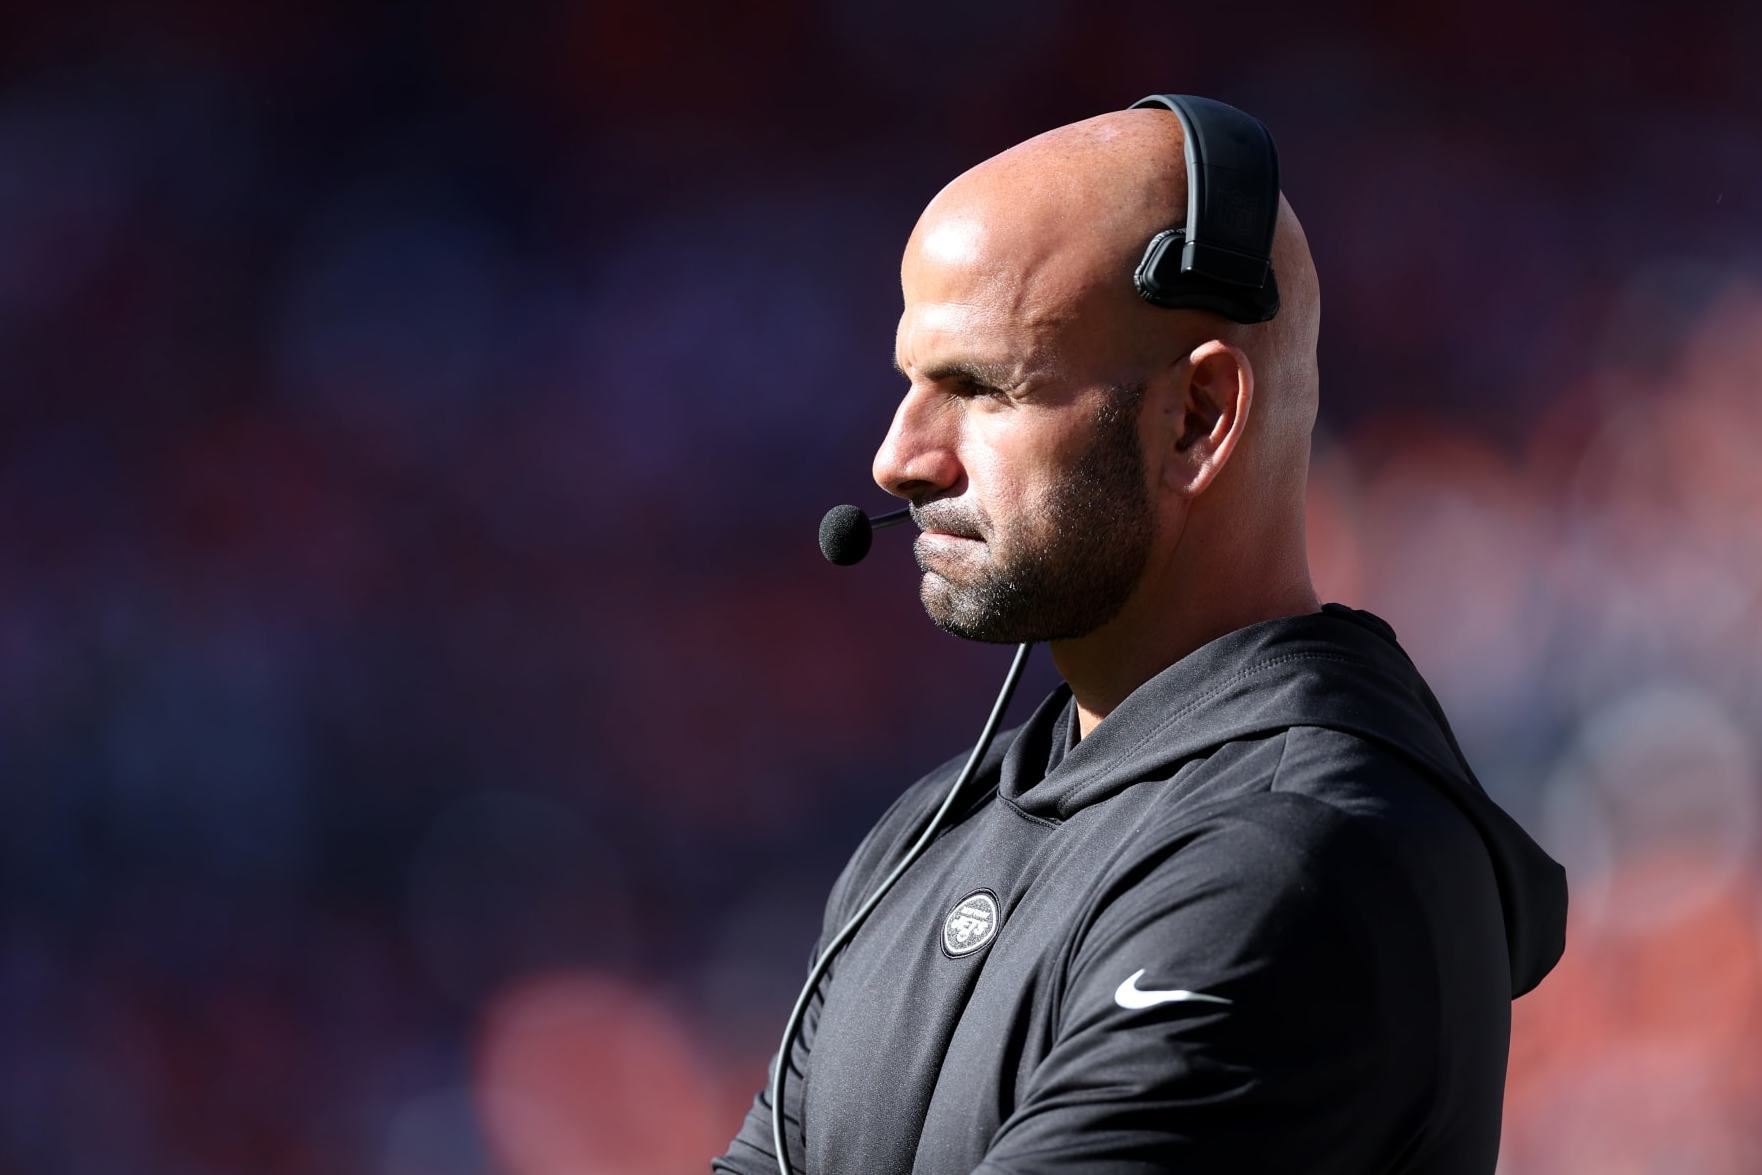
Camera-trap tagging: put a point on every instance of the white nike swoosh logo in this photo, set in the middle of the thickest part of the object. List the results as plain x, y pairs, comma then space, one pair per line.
1130, 996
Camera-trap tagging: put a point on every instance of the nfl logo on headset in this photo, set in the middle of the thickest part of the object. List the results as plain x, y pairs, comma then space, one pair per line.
971, 924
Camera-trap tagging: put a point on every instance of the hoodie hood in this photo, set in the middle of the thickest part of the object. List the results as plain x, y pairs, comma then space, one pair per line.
1340, 669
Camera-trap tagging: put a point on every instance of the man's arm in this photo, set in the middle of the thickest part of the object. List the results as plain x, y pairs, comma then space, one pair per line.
1285, 911
751, 1152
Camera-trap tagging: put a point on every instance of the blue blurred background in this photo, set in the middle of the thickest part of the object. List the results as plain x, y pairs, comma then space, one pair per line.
428, 728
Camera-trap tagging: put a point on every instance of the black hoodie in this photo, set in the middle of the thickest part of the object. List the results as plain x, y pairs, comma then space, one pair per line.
1263, 918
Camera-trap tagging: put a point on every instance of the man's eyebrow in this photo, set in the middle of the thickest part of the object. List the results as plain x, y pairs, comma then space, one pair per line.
991, 375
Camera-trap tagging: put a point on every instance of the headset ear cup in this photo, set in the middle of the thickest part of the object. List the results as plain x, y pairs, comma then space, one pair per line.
1150, 277
1160, 282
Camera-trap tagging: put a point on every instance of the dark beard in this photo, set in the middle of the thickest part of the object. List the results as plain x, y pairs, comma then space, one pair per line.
1072, 583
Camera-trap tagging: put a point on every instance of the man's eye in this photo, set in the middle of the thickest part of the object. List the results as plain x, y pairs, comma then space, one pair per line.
973, 388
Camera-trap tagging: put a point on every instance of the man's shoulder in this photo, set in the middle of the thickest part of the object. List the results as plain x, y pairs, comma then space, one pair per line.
1327, 829
1266, 839
1304, 785
1306, 812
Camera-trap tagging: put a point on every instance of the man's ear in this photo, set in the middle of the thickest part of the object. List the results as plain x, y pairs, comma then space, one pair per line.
1208, 413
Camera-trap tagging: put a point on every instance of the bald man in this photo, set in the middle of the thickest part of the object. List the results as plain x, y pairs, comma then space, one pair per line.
1231, 900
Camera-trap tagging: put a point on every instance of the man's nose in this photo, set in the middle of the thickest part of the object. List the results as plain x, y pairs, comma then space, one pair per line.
917, 458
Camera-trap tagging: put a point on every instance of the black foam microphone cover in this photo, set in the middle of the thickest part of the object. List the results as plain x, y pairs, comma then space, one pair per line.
845, 535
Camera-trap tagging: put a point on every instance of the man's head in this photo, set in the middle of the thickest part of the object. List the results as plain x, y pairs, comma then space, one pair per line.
1064, 444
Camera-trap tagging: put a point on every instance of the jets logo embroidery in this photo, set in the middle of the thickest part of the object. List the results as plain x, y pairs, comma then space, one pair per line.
971, 924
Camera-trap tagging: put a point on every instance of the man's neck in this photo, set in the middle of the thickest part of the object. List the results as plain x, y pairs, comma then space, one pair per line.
1150, 634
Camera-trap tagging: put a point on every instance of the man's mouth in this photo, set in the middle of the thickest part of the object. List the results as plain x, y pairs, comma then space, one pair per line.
945, 527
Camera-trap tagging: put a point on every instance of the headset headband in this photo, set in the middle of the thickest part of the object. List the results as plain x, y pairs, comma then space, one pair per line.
1224, 263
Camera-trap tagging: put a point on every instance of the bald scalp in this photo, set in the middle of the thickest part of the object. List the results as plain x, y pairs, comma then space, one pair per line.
1059, 223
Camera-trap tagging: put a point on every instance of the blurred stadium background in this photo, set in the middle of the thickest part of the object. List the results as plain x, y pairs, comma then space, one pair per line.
428, 730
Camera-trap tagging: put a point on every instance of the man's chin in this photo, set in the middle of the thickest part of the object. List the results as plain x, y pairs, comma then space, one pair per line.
936, 594
943, 606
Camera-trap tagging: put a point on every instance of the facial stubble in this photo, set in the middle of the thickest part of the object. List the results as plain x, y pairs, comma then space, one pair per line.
1067, 568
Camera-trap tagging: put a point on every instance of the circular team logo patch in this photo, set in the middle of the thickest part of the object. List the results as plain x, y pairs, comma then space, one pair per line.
971, 924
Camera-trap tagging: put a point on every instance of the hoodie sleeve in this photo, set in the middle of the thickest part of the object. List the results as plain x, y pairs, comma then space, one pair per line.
1226, 1009
751, 1152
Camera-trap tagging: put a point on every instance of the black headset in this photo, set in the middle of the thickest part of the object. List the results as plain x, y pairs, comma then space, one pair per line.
1222, 258
1224, 264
